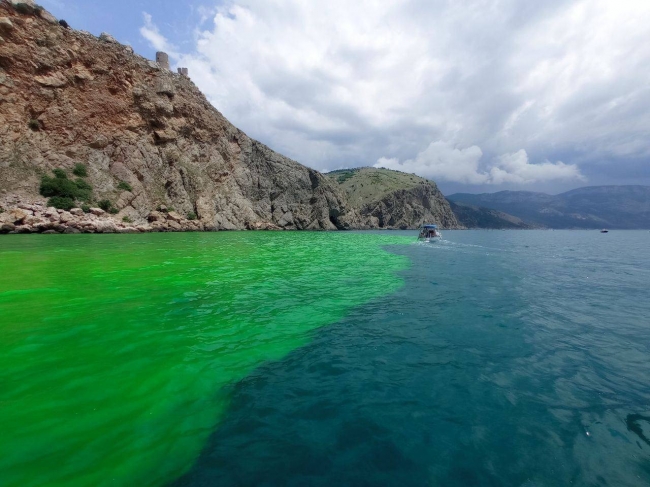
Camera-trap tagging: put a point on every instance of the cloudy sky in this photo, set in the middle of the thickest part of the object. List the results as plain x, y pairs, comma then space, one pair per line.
479, 95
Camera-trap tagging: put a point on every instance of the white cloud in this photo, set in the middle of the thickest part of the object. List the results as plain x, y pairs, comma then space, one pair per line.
342, 83
151, 33
443, 161
515, 168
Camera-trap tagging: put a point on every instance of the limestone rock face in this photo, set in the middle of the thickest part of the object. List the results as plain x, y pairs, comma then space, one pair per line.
410, 208
108, 38
383, 198
97, 103
6, 25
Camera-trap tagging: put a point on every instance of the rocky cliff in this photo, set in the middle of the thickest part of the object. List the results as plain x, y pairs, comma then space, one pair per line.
148, 137
392, 199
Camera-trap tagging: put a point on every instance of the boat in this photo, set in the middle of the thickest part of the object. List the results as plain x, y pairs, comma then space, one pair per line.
604, 230
429, 233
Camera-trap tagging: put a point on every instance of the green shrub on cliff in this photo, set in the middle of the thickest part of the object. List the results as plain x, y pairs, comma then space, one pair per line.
191, 215
61, 202
58, 187
62, 190
80, 170
124, 186
105, 204
60, 173
25, 8
84, 190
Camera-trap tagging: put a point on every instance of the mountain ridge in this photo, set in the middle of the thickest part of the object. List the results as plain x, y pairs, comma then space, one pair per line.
611, 206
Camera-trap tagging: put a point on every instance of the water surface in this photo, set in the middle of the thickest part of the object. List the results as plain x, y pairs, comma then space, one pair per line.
491, 358
116, 349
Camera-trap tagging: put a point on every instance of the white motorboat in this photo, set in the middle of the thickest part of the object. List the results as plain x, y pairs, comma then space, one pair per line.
429, 234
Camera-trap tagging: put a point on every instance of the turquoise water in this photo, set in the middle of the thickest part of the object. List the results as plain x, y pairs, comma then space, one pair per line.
492, 358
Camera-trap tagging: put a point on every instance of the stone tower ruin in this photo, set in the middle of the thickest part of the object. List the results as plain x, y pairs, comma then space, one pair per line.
162, 59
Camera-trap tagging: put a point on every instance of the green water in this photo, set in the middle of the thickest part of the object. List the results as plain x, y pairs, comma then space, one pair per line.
117, 351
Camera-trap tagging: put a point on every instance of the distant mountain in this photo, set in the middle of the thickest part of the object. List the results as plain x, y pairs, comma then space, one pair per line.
471, 216
622, 207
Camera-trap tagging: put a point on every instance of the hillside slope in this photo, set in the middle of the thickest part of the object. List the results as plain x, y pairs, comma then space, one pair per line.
478, 217
67, 97
623, 207
391, 199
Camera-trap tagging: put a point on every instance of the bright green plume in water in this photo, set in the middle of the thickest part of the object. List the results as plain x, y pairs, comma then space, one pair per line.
116, 349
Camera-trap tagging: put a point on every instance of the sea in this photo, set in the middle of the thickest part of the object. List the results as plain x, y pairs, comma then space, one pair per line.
490, 358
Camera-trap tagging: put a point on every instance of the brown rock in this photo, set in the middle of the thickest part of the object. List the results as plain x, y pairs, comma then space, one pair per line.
6, 25
172, 215
71, 230
99, 142
47, 16
164, 136
43, 226
158, 227
97, 211
165, 86
155, 216
56, 80
66, 217
107, 38
7, 227
17, 216
77, 212
105, 226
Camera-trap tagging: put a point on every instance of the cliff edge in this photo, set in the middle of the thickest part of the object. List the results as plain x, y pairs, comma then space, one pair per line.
390, 199
148, 137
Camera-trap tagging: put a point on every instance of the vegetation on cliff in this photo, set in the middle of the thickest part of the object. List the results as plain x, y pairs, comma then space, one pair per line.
386, 198
64, 193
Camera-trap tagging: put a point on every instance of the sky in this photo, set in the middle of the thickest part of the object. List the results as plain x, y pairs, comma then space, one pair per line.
479, 95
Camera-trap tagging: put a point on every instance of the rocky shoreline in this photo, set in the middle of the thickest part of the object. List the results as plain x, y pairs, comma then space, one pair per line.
37, 218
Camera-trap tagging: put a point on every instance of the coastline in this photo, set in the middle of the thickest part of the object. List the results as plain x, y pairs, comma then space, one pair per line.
36, 218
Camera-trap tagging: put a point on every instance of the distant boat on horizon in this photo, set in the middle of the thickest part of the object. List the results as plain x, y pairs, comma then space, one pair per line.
604, 230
